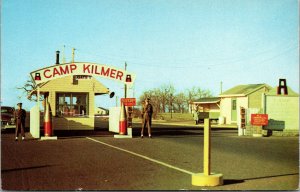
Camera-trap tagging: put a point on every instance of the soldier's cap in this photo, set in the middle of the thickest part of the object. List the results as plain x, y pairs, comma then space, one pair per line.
19, 104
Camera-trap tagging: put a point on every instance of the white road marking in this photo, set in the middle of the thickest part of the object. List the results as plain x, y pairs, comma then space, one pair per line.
142, 156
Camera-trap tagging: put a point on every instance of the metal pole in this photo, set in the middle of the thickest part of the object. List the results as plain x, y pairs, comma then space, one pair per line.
73, 55
171, 98
207, 178
63, 55
125, 85
206, 160
221, 86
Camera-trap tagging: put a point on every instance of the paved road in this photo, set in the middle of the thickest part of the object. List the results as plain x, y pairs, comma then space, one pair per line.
97, 161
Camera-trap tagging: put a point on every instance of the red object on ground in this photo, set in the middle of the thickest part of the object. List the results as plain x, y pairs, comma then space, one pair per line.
123, 121
47, 121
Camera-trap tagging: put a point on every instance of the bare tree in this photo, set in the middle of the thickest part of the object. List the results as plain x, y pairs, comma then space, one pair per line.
28, 87
191, 95
165, 98
166, 93
180, 102
196, 93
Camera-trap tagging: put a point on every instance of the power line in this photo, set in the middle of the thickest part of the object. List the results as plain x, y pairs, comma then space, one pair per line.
192, 64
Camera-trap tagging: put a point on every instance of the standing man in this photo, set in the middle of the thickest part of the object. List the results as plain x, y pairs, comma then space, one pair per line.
196, 115
147, 111
20, 116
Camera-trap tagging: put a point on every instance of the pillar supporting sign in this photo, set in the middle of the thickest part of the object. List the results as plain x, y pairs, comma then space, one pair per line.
207, 178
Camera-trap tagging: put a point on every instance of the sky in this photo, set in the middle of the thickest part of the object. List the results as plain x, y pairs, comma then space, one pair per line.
185, 43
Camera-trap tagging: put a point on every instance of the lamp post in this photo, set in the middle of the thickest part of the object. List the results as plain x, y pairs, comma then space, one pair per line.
171, 100
125, 85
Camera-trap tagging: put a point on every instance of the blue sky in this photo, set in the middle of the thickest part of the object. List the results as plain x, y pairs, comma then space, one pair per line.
184, 43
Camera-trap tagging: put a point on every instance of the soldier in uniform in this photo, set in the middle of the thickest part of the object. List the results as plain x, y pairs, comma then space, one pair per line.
20, 116
147, 111
196, 115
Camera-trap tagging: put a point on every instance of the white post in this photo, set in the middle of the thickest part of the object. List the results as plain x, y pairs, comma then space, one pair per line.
35, 117
38, 97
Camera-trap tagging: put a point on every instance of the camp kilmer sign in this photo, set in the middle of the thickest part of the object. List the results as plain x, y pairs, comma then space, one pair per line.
81, 68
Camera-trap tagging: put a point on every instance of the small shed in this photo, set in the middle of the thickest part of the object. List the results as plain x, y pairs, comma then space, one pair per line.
208, 107
207, 104
283, 112
246, 96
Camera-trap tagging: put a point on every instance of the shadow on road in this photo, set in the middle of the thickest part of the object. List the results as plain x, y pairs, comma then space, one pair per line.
232, 181
25, 168
167, 131
266, 177
63, 134
236, 181
157, 131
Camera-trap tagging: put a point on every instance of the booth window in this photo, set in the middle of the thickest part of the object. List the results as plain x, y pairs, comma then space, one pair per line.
71, 104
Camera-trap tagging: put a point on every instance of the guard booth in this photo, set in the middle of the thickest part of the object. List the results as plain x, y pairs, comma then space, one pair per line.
72, 101
71, 89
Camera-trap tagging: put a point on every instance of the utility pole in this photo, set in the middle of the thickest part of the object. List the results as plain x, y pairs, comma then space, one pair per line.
75, 81
221, 86
63, 55
171, 100
73, 54
133, 91
125, 85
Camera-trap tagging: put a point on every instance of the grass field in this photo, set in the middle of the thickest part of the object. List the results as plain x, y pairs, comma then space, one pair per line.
175, 116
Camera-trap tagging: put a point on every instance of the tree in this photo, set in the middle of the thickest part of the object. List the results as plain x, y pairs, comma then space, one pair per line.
196, 93
165, 98
180, 102
28, 87
166, 95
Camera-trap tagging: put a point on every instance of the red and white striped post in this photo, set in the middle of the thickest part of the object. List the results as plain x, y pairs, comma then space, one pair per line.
123, 121
47, 120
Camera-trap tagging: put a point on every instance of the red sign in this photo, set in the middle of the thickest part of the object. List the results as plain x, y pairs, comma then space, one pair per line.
259, 119
128, 101
82, 70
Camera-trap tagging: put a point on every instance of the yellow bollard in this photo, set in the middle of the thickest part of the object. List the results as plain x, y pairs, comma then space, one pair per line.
206, 150
207, 178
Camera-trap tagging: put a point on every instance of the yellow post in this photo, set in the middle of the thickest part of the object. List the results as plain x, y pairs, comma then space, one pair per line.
207, 178
206, 155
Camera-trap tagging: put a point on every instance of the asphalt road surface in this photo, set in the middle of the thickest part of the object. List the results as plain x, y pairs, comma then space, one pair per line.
95, 160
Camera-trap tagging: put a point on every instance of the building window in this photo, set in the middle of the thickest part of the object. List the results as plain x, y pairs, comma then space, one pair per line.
71, 104
233, 104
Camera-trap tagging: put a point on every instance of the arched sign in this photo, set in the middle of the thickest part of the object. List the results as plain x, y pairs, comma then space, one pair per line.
81, 68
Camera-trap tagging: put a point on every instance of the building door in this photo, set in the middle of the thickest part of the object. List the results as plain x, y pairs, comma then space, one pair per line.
233, 110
